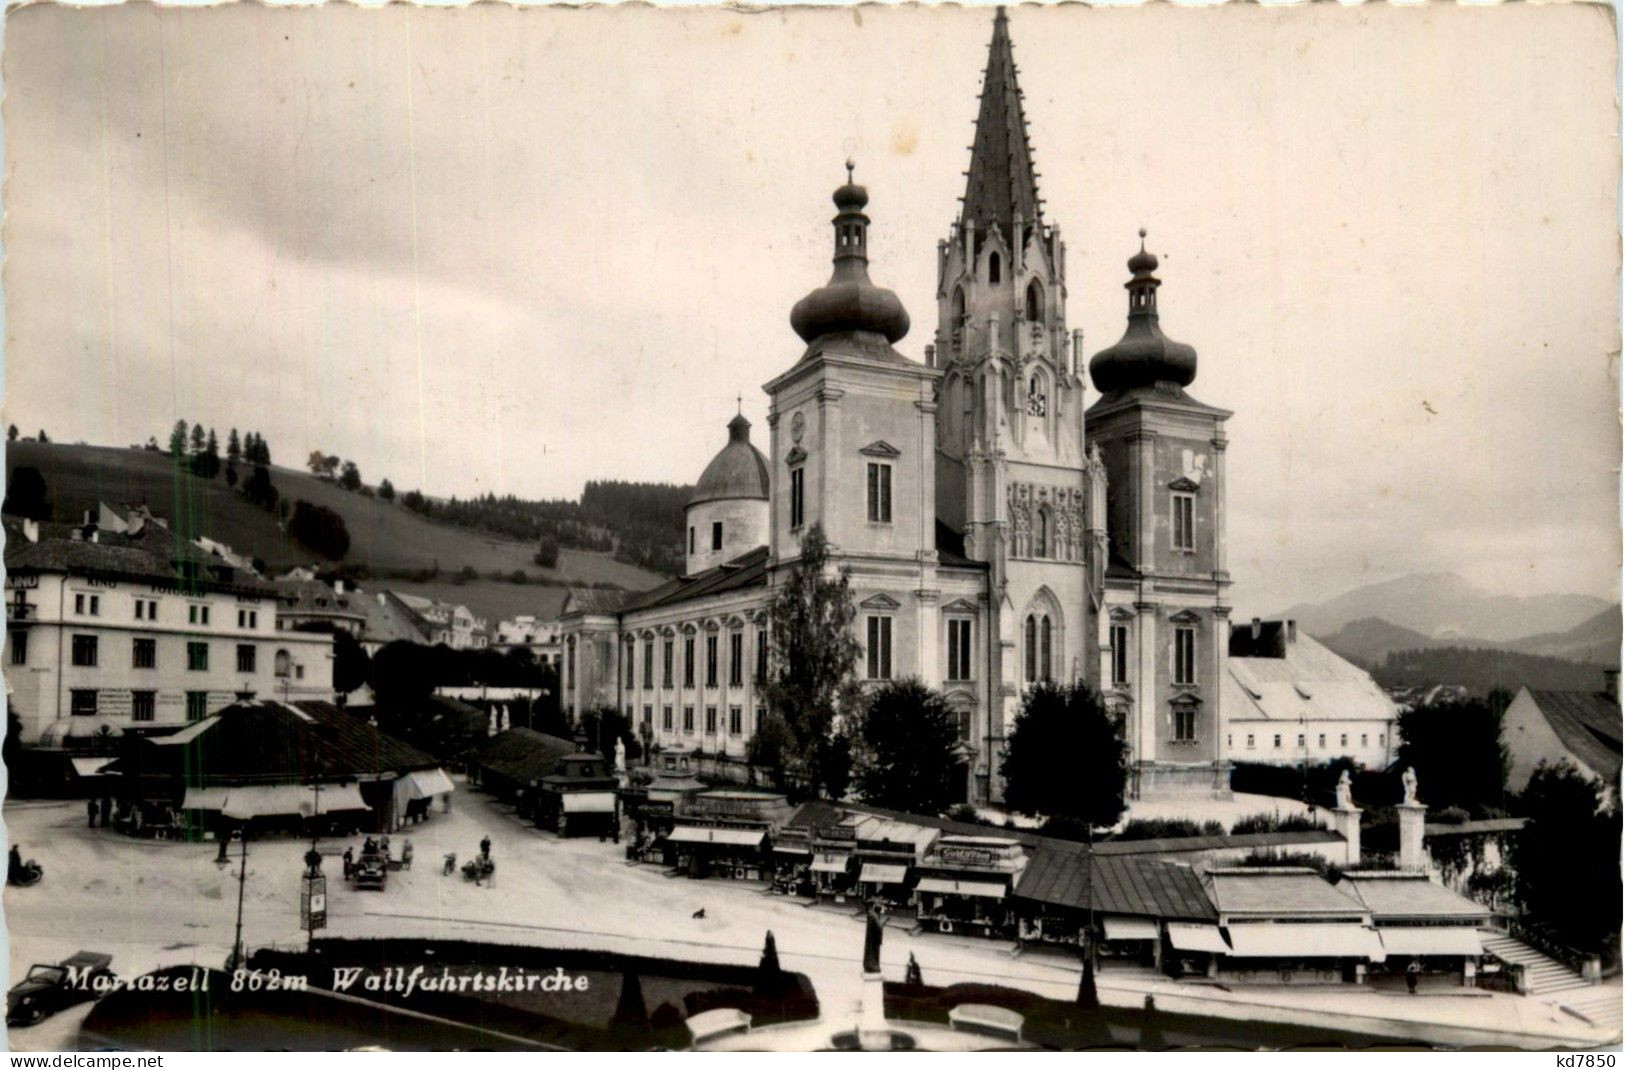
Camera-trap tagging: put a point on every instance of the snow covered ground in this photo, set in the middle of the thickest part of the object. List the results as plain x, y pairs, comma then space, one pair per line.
154, 904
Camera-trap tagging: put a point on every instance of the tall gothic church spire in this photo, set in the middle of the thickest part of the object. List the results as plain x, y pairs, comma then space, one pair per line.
1001, 182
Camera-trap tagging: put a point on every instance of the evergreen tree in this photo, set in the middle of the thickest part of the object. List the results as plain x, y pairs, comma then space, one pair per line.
199, 439
234, 446
1066, 756
177, 440
11, 433
43, 437
908, 749
231, 472
813, 655
211, 456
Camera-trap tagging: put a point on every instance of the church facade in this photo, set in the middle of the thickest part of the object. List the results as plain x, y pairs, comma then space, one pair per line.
998, 528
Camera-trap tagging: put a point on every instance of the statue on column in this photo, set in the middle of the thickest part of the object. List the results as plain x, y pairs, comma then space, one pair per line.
1408, 779
620, 755
1345, 792
872, 932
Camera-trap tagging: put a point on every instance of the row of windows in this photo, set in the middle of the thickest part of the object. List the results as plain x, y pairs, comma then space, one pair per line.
878, 496
82, 702
1184, 655
736, 719
90, 605
1342, 740
716, 536
736, 661
85, 653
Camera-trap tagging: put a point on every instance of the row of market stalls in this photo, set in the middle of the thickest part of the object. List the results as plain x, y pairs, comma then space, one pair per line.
558, 784
275, 766
1171, 908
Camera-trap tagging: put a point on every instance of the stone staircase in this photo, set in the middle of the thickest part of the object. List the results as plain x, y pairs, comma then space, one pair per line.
1542, 974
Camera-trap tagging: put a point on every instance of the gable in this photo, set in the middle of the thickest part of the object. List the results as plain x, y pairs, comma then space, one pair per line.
881, 448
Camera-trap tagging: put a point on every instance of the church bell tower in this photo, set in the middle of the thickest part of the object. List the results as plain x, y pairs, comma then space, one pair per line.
1015, 479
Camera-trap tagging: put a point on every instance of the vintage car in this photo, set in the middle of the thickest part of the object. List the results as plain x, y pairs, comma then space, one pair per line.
371, 871
48, 989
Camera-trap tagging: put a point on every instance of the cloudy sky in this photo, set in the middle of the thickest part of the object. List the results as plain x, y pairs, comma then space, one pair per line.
512, 250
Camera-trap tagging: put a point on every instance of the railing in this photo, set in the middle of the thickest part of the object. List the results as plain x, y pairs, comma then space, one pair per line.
1541, 939
21, 611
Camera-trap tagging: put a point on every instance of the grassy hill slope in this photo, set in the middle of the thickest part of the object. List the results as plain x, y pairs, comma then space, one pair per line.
384, 537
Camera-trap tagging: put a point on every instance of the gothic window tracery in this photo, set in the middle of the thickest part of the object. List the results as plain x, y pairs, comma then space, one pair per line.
1037, 402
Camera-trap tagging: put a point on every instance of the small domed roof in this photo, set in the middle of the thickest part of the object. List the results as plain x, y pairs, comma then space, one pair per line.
738, 471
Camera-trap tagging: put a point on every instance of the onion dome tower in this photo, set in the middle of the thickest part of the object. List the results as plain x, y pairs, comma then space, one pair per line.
727, 513
1144, 357
849, 308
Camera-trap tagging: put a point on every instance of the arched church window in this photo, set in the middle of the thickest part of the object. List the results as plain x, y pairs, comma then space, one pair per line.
1037, 403
1044, 649
959, 307
1035, 302
1031, 648
1041, 534
993, 268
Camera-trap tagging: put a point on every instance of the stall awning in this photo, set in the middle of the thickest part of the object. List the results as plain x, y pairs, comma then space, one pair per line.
875, 873
275, 800
798, 850
1431, 940
941, 886
204, 799
731, 837
91, 766
588, 802
1188, 936
830, 864
1310, 940
1130, 929
268, 800
427, 783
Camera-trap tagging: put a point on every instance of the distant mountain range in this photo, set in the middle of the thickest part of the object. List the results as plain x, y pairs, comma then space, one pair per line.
1442, 605
1439, 611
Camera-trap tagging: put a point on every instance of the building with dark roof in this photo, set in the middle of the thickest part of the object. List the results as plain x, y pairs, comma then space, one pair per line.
1582, 728
116, 631
964, 492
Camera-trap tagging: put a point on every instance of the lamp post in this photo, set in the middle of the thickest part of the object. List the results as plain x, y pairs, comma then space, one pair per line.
236, 961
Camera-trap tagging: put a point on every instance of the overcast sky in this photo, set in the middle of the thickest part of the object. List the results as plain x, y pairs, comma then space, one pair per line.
513, 250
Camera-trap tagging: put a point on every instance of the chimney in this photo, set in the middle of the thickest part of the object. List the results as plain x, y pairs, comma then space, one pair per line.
338, 586
1258, 628
930, 356
1610, 683
1292, 631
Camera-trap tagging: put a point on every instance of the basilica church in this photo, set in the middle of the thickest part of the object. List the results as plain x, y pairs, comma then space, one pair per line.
998, 525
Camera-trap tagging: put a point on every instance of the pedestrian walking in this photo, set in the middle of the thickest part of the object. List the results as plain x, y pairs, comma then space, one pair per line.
1411, 973
349, 862
92, 808
485, 847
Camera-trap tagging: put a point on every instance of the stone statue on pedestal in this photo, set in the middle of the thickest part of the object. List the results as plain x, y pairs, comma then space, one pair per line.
1345, 792
620, 755
1408, 779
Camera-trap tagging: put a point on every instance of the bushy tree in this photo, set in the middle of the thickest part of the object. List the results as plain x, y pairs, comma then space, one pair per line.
27, 495
316, 462
319, 529
260, 490
1066, 756
350, 477
386, 490
1567, 858
907, 754
11, 433
1455, 747
813, 655
547, 553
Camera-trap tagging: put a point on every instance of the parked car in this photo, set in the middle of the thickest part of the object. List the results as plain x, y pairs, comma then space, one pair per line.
49, 989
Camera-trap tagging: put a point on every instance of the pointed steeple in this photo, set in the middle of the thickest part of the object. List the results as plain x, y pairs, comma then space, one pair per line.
1001, 182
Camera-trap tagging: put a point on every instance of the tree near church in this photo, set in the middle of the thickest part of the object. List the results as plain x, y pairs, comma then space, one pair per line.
1566, 859
907, 749
1455, 747
811, 667
1066, 756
